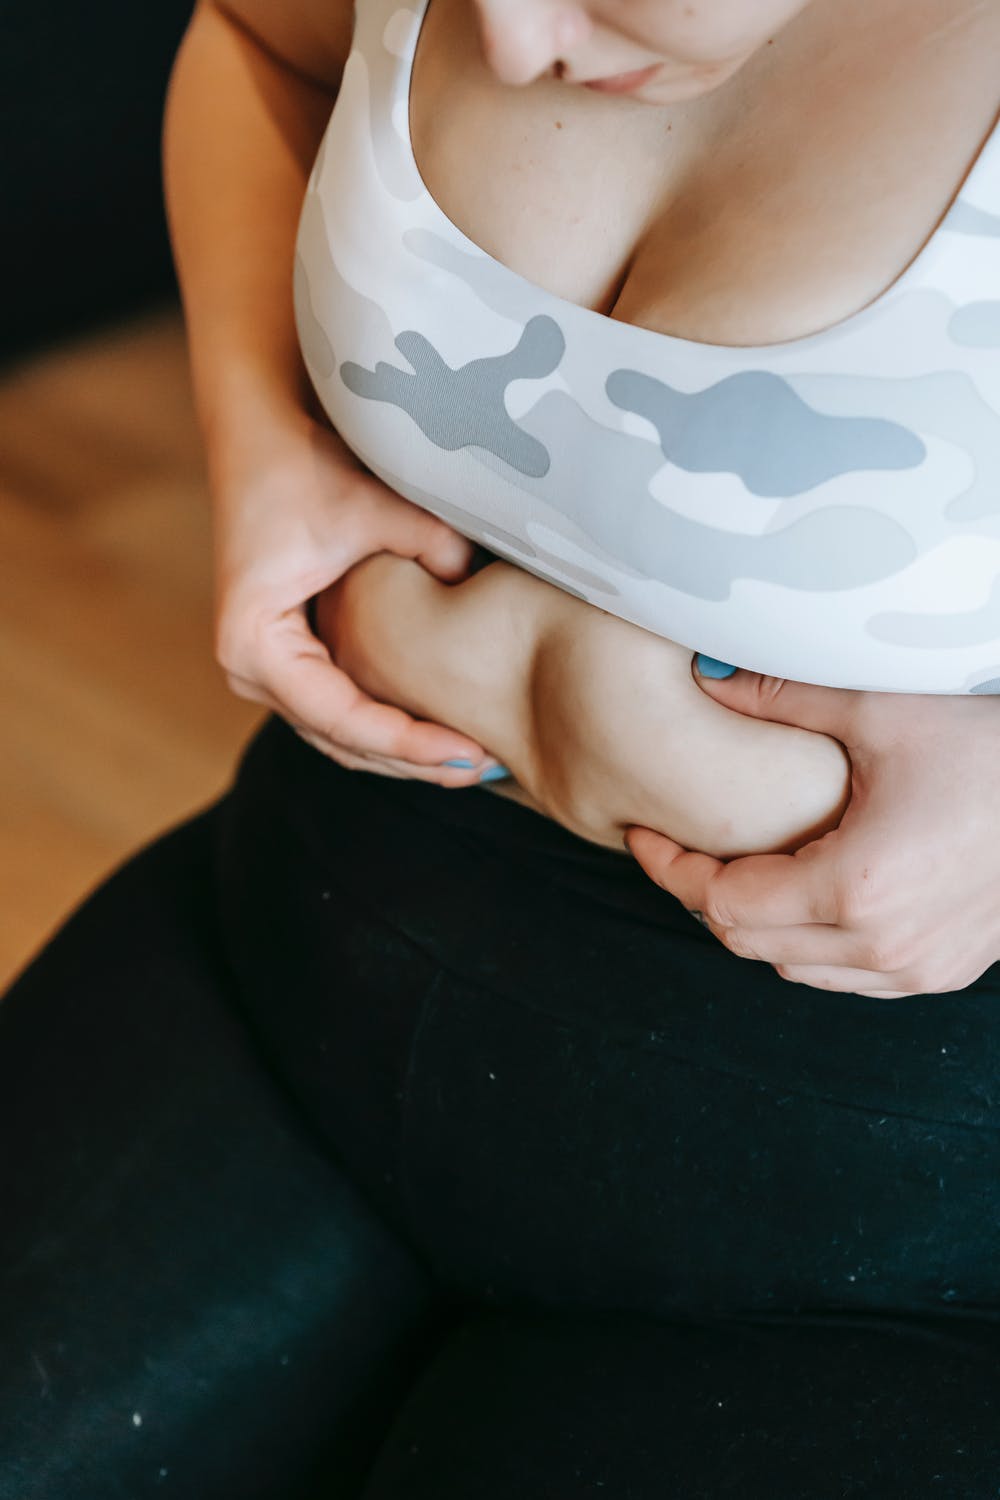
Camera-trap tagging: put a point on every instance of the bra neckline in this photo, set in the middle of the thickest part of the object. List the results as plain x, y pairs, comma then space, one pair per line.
579, 310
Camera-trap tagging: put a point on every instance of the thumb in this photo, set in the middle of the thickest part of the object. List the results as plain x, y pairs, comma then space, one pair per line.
824, 709
388, 522
442, 550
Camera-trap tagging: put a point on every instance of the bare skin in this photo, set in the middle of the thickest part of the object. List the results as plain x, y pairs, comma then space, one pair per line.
770, 206
600, 723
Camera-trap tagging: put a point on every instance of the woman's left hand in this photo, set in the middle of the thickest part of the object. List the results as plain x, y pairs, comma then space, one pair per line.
903, 897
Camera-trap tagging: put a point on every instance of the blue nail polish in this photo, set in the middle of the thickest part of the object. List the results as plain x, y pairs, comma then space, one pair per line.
460, 765
495, 773
707, 666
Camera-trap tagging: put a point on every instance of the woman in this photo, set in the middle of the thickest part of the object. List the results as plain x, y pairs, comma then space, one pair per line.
509, 1178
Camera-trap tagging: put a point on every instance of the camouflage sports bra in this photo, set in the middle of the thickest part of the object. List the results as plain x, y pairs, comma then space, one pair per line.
826, 509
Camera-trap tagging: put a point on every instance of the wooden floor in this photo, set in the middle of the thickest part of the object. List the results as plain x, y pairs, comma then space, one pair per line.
114, 720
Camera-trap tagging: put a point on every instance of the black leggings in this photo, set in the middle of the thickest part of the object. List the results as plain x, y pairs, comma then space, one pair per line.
362, 1139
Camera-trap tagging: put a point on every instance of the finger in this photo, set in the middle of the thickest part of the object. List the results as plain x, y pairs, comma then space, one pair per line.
816, 944
330, 711
310, 690
826, 710
461, 775
447, 777
245, 688
682, 873
342, 757
844, 981
376, 765
447, 555
408, 531
757, 891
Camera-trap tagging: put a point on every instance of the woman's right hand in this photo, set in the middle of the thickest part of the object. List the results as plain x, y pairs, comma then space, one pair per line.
294, 510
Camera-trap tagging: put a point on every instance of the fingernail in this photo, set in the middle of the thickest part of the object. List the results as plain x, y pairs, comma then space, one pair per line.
707, 666
460, 765
495, 773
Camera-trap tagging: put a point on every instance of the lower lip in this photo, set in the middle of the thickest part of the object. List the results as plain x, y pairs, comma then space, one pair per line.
622, 83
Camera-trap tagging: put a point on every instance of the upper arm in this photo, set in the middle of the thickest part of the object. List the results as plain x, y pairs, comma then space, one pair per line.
313, 37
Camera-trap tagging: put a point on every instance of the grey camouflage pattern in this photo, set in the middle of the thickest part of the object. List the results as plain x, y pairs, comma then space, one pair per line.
464, 407
826, 509
753, 424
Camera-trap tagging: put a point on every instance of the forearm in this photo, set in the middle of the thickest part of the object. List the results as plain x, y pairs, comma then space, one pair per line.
241, 130
251, 94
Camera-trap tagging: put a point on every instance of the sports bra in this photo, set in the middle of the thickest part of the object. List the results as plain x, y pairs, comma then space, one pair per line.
825, 509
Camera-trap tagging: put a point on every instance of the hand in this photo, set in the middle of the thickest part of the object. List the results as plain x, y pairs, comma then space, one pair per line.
903, 897
294, 511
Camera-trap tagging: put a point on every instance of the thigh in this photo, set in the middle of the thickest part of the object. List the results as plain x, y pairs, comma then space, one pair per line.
748, 1150
561, 1410
194, 1298
569, 1095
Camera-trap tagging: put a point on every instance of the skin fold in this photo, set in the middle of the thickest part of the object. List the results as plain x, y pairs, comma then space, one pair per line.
600, 722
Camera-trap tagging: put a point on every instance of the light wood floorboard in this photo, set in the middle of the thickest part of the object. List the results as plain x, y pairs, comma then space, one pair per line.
114, 720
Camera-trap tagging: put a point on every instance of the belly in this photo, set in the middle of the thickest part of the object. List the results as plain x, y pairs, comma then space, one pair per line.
600, 722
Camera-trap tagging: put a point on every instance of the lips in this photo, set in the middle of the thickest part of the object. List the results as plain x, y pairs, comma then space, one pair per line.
622, 83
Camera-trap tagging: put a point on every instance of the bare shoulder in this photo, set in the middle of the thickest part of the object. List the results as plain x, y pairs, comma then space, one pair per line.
311, 36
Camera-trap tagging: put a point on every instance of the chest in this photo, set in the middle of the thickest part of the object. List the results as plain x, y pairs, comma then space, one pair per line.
777, 208
826, 509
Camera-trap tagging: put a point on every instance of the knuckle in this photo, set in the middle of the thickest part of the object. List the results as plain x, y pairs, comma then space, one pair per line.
883, 954
649, 867
332, 735
717, 915
738, 942
393, 746
341, 756
634, 843
240, 688
856, 903
768, 689
849, 908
